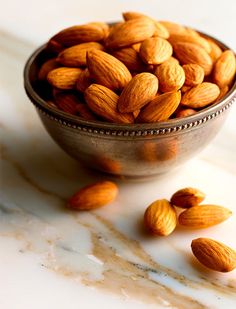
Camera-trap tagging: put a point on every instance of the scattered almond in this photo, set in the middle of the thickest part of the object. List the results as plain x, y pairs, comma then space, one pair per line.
47, 66
187, 197
130, 57
64, 78
94, 196
224, 69
67, 102
85, 112
204, 216
160, 218
185, 112
84, 80
214, 255
194, 74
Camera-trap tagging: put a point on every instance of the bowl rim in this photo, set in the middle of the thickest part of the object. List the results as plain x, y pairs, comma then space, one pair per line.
120, 129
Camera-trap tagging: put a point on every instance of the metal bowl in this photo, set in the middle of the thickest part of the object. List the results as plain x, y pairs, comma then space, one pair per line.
134, 150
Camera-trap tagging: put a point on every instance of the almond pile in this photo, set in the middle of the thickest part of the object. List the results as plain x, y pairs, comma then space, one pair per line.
161, 219
139, 70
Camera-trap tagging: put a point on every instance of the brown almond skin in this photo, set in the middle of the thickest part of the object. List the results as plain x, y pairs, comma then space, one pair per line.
201, 95
130, 58
203, 216
75, 56
47, 66
139, 91
94, 196
189, 38
223, 92
224, 69
67, 102
185, 112
194, 74
171, 76
160, 218
64, 78
84, 81
84, 111
131, 32
155, 50
187, 197
188, 53
216, 51
103, 102
173, 28
107, 70
74, 35
160, 108
214, 254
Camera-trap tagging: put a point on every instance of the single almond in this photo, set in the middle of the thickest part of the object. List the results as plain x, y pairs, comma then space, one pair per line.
203, 216
171, 76
201, 95
194, 74
160, 108
173, 28
223, 92
214, 255
224, 69
130, 32
64, 78
67, 102
187, 197
103, 102
94, 196
75, 56
185, 112
84, 111
139, 91
155, 50
216, 51
47, 66
189, 38
192, 53
107, 70
92, 32
160, 218
84, 80
130, 57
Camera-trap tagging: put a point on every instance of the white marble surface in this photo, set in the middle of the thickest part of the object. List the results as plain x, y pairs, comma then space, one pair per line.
51, 258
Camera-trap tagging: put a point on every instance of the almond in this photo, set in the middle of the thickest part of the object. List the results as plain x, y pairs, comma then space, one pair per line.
160, 218
185, 88
103, 102
155, 50
85, 112
136, 47
47, 66
171, 76
214, 255
94, 196
185, 112
201, 95
75, 56
216, 51
187, 197
204, 216
188, 53
74, 35
107, 70
130, 58
64, 78
139, 91
189, 38
67, 102
84, 81
194, 74
223, 92
173, 28
130, 32
160, 108
224, 69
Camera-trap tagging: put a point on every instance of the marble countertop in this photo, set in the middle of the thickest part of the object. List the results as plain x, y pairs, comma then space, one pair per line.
52, 258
